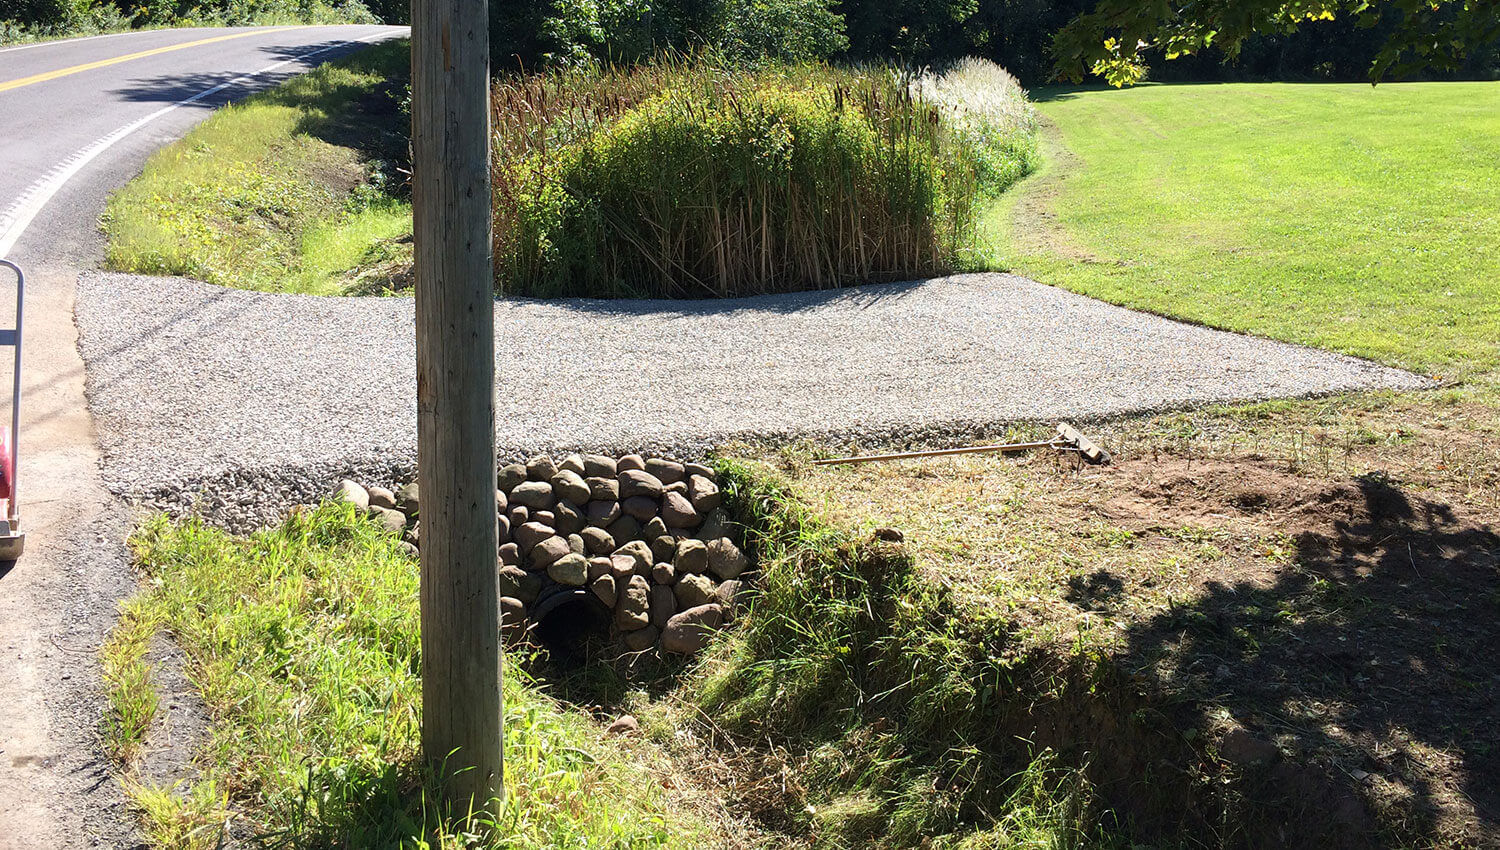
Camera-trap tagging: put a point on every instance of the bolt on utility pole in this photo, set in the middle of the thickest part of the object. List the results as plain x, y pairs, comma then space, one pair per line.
461, 712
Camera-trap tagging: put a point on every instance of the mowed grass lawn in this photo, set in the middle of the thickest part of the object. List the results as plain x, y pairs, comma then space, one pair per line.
1356, 218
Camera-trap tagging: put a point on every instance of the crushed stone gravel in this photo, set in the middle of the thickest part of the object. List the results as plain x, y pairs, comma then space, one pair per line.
239, 404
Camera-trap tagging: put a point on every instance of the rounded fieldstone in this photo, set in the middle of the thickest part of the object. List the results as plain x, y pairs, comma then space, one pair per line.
516, 582
382, 498
570, 485
502, 529
532, 533
597, 541
536, 495
569, 518
715, 525
509, 475
541, 468
663, 548
727, 595
640, 640
603, 587
354, 494
666, 471
572, 463
571, 569
502, 502
413, 534
676, 487
602, 466
575, 544
604, 489
638, 482
598, 566
409, 499
691, 557
725, 559
699, 469
633, 609
663, 605
638, 552
690, 630
623, 529
621, 566
411, 550
602, 513
630, 462
545, 517
642, 508
519, 515
390, 519
704, 494
653, 529
663, 573
510, 554
677, 510
548, 551
694, 590
512, 617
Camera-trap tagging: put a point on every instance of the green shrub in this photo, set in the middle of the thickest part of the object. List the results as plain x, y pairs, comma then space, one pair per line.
693, 180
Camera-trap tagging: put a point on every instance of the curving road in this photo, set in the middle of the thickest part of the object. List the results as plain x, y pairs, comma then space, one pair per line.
78, 118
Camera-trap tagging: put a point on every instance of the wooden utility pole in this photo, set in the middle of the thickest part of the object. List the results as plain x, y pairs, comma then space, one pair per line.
456, 399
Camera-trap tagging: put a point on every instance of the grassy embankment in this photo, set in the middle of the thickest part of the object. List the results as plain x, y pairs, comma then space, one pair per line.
293, 190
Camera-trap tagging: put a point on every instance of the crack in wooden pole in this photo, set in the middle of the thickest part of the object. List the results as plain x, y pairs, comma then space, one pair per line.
461, 710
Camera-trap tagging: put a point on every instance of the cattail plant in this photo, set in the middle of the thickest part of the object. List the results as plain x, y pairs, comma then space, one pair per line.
687, 179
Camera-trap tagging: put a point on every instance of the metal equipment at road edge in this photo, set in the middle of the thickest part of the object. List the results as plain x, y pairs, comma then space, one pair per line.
12, 538
1068, 439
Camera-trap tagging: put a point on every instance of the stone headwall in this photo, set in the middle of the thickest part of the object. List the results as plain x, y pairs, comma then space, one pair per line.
642, 542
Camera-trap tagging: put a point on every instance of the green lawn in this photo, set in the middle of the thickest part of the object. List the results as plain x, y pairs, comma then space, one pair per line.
1361, 219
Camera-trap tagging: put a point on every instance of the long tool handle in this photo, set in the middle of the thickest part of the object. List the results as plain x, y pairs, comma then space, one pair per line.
967, 450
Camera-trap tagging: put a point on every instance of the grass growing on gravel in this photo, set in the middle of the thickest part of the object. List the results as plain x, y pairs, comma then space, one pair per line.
285, 192
303, 641
1341, 216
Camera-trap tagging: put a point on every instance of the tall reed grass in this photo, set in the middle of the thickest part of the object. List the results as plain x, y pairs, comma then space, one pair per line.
689, 179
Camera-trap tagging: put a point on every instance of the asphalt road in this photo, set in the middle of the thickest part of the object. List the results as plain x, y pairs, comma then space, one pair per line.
77, 120
60, 100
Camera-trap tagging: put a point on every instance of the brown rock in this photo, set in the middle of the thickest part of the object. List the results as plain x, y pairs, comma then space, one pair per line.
629, 462
633, 610
572, 463
728, 597
570, 486
637, 482
536, 495
677, 511
603, 514
694, 590
666, 471
604, 588
598, 567
663, 548
502, 502
532, 533
547, 518
704, 494
571, 569
639, 553
725, 559
602, 466
624, 529
546, 552
512, 617
623, 725
663, 573
520, 584
575, 545
519, 515
643, 508
699, 469
663, 605
597, 541
641, 640
510, 554
354, 494
409, 499
541, 468
689, 631
390, 519
716, 525
691, 557
502, 529
604, 489
622, 566
510, 475
653, 529
382, 498
570, 519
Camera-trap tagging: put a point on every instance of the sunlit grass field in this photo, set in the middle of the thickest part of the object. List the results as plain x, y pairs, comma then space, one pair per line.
1357, 218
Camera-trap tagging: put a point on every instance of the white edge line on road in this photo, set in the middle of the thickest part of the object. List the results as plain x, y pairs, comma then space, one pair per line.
18, 216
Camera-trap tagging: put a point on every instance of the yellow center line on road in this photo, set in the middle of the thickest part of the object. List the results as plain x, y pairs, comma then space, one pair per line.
63, 72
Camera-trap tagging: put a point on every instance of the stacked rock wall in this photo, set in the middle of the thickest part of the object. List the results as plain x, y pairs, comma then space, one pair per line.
644, 542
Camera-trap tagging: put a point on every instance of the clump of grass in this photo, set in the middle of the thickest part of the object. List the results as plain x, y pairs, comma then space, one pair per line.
908, 709
127, 682
283, 192
303, 640
690, 179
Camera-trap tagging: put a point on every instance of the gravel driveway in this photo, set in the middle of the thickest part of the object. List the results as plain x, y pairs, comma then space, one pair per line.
193, 384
